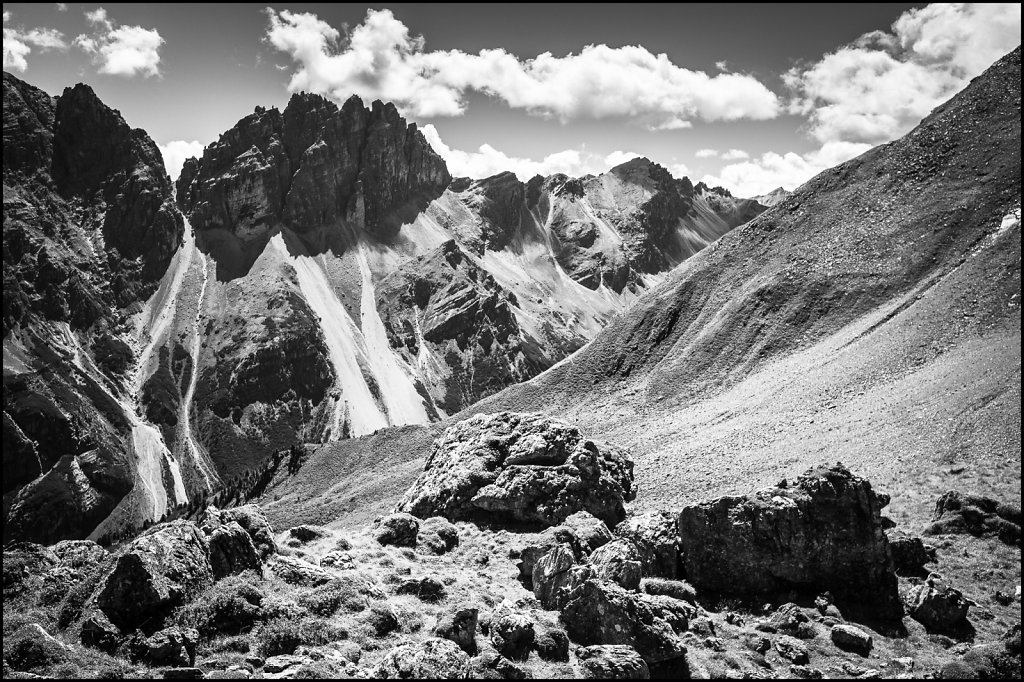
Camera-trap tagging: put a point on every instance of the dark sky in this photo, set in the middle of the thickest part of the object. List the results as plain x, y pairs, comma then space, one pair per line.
216, 65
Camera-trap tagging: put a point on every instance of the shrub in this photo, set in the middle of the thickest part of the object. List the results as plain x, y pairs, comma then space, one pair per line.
344, 592
285, 635
230, 606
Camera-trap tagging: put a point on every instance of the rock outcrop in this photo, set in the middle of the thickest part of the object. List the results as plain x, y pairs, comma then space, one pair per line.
89, 226
160, 570
956, 512
821, 533
438, 659
312, 165
520, 468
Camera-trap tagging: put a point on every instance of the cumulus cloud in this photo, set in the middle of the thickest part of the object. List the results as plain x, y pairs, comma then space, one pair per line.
62, 7
121, 50
883, 84
706, 153
176, 151
380, 59
735, 155
18, 43
488, 161
879, 87
763, 174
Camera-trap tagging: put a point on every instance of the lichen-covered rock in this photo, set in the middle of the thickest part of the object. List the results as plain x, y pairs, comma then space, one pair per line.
553, 577
252, 519
543, 543
298, 572
174, 647
910, 554
792, 650
823, 532
655, 536
512, 635
956, 512
158, 571
460, 627
524, 468
79, 554
851, 638
436, 658
493, 666
599, 612
231, 550
619, 562
937, 606
399, 530
612, 662
426, 589
590, 531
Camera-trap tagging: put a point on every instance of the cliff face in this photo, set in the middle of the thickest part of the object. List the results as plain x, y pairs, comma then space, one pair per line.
312, 165
89, 229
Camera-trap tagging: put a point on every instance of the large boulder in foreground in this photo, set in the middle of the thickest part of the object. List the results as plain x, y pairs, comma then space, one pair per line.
823, 532
438, 659
161, 569
524, 468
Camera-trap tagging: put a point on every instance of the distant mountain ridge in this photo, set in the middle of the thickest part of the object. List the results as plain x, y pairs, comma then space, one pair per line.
321, 276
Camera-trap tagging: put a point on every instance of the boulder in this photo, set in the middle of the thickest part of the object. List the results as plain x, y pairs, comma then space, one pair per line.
599, 612
435, 658
298, 572
551, 644
426, 589
937, 606
174, 647
252, 519
619, 562
590, 531
789, 619
438, 535
823, 532
551, 572
679, 615
459, 626
612, 662
512, 635
543, 543
338, 559
306, 533
956, 512
231, 550
162, 569
381, 619
792, 650
910, 554
852, 639
99, 633
399, 530
520, 468
655, 536
493, 666
79, 554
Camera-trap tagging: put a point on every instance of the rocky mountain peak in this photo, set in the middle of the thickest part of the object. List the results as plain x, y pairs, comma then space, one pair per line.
313, 166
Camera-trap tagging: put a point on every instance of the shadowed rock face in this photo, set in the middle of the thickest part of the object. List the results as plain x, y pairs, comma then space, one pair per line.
822, 533
89, 228
313, 164
520, 468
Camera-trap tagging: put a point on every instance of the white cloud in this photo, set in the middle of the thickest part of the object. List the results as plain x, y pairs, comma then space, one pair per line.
706, 153
62, 7
380, 59
488, 161
735, 155
619, 157
883, 84
175, 153
121, 50
18, 43
762, 175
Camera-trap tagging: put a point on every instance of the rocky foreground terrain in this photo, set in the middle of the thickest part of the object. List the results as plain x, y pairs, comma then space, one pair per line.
518, 553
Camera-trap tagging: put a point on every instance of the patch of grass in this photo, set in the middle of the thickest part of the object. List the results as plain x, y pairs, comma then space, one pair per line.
285, 635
